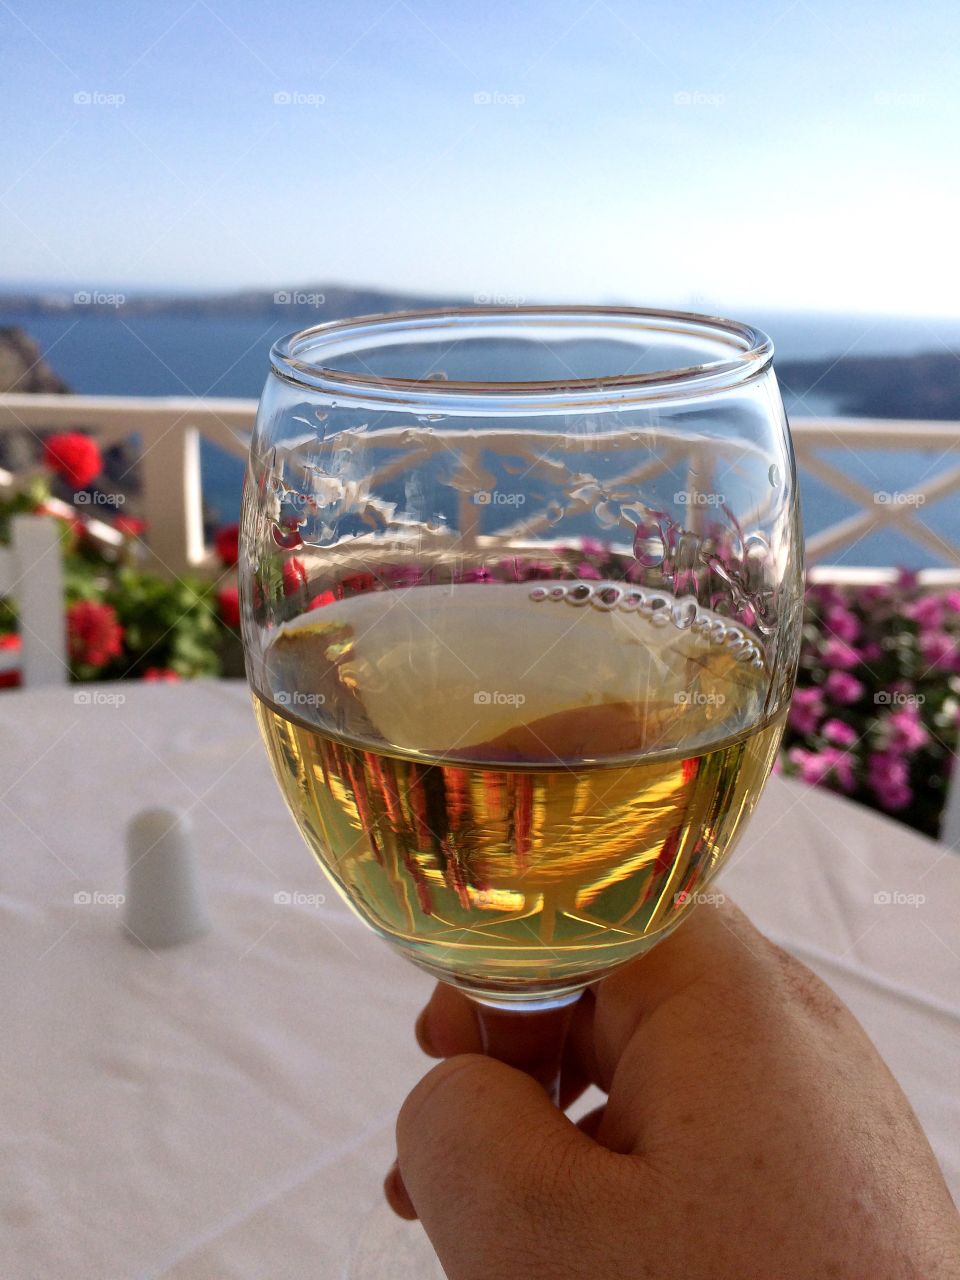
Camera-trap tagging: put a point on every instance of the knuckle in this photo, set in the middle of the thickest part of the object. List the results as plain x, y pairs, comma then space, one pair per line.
433, 1093
804, 988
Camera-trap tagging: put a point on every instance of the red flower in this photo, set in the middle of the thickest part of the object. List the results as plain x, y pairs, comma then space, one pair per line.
130, 526
73, 456
228, 598
10, 643
94, 633
160, 675
359, 582
325, 597
227, 545
294, 576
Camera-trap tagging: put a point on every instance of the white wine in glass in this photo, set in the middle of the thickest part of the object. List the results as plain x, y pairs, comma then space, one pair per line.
518, 842
521, 594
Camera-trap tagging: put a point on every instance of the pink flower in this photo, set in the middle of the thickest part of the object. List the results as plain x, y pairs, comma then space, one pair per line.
889, 780
537, 569
842, 623
871, 652
593, 547
587, 570
842, 687
815, 767
907, 578
905, 733
806, 709
938, 650
404, 575
827, 595
837, 653
482, 574
839, 732
876, 595
927, 612
951, 600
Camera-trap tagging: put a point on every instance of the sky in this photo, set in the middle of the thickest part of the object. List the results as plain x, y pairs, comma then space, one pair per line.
789, 155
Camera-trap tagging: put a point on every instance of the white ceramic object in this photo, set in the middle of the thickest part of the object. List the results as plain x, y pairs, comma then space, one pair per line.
164, 903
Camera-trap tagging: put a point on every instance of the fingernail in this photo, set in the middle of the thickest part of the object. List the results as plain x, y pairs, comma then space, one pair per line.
423, 1038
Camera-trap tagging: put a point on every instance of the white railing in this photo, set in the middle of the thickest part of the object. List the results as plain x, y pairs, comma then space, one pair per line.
171, 428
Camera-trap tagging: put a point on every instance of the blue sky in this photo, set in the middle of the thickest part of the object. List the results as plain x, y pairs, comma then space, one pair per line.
797, 155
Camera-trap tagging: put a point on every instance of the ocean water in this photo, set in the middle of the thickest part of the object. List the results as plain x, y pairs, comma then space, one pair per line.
114, 354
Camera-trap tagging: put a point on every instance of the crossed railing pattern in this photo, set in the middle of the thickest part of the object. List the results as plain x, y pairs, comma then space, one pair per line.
170, 430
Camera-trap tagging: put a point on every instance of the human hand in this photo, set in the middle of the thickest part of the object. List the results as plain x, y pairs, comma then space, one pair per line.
750, 1130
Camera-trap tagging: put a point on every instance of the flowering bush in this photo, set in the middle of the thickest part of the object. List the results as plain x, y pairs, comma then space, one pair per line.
123, 620
875, 712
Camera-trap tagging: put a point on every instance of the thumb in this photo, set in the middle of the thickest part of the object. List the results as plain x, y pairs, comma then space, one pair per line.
493, 1168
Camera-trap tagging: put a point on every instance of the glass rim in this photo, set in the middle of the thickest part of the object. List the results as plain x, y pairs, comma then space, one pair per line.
751, 352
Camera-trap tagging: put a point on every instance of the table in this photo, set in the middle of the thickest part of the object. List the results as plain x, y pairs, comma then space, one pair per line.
225, 1109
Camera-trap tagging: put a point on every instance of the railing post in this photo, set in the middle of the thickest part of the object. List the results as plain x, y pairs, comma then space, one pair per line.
172, 499
39, 593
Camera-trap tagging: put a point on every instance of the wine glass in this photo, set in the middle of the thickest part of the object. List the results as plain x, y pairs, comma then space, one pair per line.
521, 596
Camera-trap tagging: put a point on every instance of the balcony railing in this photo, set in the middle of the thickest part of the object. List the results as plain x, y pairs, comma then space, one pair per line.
170, 431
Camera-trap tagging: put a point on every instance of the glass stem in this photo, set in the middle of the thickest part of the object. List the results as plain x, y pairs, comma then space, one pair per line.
530, 1040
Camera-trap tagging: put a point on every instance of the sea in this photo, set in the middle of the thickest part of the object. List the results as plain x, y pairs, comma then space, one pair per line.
110, 353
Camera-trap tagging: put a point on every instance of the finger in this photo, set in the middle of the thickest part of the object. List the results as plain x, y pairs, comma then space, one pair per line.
396, 1194
714, 946
449, 1025
681, 1034
492, 1168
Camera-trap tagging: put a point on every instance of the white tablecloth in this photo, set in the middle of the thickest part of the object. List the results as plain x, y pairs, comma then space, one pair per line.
225, 1109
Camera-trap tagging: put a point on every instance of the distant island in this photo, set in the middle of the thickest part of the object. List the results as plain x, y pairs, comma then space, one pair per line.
916, 386
300, 302
925, 385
